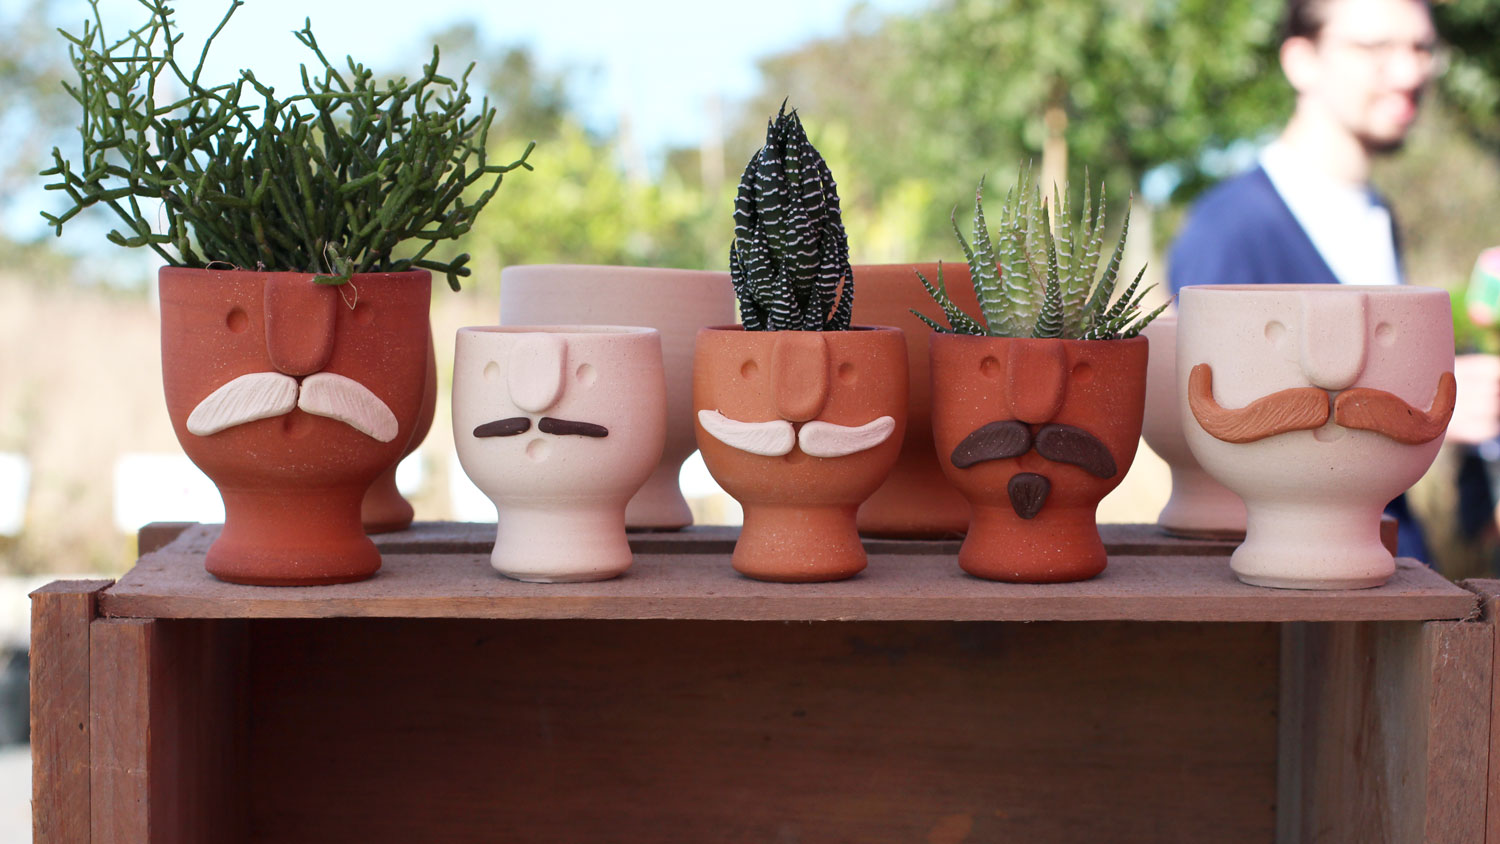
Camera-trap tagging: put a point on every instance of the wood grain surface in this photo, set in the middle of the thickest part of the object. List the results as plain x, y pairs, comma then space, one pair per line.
385, 730
60, 616
429, 575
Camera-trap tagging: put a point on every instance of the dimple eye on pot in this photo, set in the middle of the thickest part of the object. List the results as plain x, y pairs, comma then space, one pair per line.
847, 374
1385, 334
237, 321
748, 369
990, 367
1083, 372
1275, 331
587, 375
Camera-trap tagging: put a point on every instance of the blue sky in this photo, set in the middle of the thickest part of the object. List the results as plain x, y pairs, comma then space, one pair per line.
660, 61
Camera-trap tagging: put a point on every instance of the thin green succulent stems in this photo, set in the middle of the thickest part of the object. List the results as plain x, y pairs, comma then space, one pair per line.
335, 180
1045, 285
789, 262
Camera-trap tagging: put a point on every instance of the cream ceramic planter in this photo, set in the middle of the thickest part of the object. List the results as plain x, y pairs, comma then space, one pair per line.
676, 303
1200, 506
1317, 404
559, 426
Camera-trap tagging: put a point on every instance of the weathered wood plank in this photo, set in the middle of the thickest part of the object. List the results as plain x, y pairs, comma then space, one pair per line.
120, 703
173, 584
1384, 732
60, 617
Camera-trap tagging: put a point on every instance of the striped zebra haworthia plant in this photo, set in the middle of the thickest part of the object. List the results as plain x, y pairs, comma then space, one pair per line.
1032, 282
790, 258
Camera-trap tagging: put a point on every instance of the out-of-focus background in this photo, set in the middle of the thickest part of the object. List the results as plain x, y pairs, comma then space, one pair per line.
644, 113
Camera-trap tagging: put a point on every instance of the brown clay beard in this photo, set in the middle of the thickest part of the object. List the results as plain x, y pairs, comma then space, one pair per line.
1306, 408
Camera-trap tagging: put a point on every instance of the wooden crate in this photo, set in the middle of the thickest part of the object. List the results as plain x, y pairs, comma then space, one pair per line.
1161, 702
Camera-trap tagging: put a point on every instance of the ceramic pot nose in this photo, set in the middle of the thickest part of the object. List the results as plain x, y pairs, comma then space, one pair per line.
301, 318
1038, 376
799, 372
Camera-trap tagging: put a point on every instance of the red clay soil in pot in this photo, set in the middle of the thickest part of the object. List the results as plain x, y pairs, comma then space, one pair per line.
385, 510
916, 501
805, 390
1034, 433
266, 377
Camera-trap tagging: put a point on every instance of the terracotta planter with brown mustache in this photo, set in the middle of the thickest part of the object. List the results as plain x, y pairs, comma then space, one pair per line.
800, 427
293, 397
1035, 433
916, 501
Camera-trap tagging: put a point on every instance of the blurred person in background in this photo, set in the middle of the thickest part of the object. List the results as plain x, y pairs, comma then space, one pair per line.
1306, 213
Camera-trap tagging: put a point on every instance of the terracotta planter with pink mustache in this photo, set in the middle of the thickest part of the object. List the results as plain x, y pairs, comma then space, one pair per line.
1317, 404
916, 501
293, 397
1035, 433
800, 427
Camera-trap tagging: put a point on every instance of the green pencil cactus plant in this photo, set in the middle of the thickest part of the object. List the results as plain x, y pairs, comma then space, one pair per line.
789, 261
349, 176
1032, 281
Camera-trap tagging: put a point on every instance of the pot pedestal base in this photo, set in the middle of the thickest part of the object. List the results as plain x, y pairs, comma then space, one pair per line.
799, 544
560, 546
384, 509
1301, 546
292, 538
659, 504
1057, 546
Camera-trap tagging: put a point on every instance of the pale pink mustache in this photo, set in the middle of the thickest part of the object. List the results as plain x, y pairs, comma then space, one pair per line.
1305, 408
264, 395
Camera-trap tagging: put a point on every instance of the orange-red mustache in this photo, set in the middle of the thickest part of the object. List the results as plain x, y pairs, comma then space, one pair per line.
1304, 408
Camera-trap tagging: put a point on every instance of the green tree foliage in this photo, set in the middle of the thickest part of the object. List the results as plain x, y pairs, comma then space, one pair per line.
1471, 28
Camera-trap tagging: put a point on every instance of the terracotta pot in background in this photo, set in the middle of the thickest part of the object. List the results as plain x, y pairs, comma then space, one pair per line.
676, 303
1200, 507
916, 501
384, 509
559, 426
1352, 389
1034, 433
767, 402
292, 402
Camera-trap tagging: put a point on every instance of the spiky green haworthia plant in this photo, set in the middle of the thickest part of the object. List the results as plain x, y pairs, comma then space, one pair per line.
790, 258
1032, 281
349, 176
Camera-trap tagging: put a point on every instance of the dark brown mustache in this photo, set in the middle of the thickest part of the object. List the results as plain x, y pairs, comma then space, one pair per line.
547, 425
1305, 408
1058, 443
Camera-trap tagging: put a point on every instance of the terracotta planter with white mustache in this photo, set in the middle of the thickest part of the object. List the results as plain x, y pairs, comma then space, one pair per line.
560, 426
1035, 433
916, 501
800, 427
1199, 507
292, 397
676, 303
1317, 404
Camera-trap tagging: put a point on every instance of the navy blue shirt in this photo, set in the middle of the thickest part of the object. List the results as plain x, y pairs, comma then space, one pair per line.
1242, 232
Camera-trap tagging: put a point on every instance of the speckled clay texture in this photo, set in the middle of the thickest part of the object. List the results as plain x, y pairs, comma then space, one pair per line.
1314, 497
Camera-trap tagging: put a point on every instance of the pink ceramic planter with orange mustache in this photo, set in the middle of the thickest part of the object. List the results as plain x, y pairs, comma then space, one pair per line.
292, 397
1317, 404
1034, 433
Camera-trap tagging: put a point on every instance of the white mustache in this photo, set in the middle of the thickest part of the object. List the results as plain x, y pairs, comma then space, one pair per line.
262, 395
777, 437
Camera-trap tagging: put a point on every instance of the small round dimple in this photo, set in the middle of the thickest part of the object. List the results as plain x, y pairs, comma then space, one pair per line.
296, 425
537, 450
492, 371
1083, 373
1385, 334
990, 367
363, 314
1275, 331
237, 321
587, 375
748, 369
847, 373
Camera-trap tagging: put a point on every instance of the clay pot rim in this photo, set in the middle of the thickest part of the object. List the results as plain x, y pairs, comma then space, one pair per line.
590, 270
950, 337
851, 329
1335, 289
564, 330
216, 273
